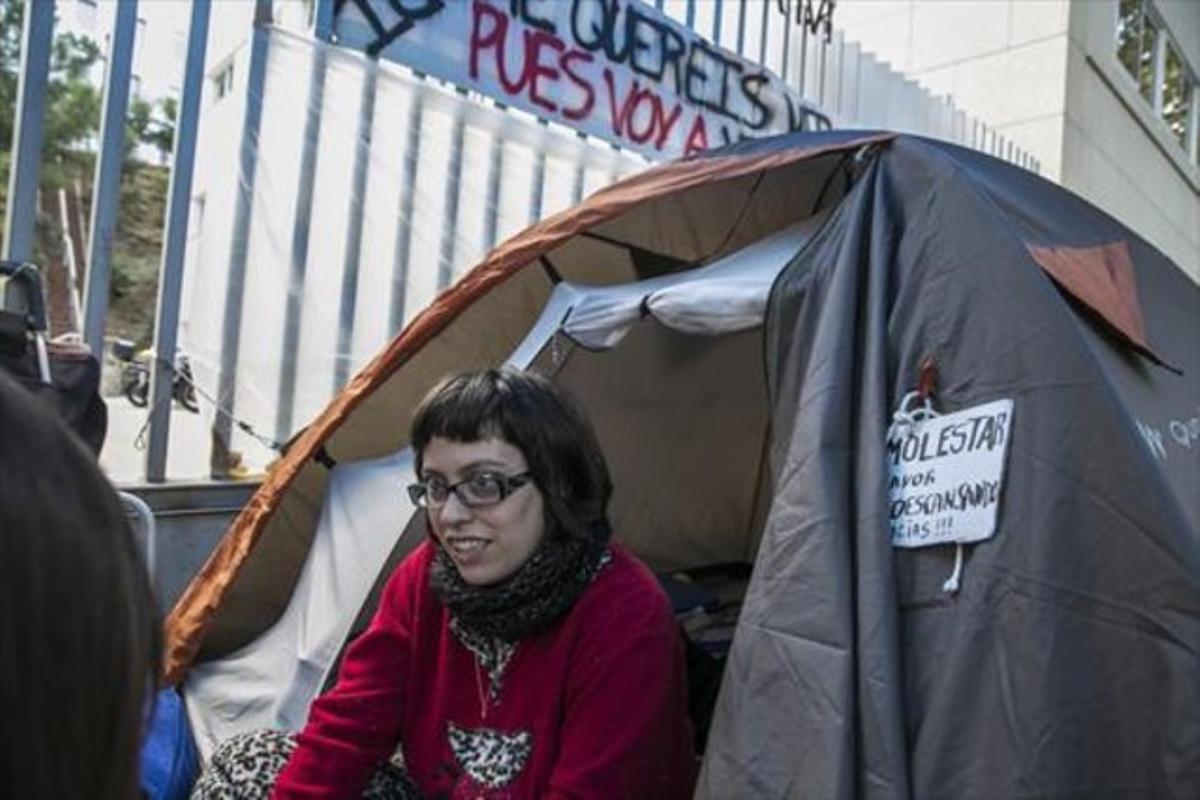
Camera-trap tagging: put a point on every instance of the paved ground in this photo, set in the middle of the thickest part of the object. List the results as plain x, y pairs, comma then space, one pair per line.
124, 455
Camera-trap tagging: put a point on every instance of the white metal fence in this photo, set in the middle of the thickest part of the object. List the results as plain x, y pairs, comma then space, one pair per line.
369, 189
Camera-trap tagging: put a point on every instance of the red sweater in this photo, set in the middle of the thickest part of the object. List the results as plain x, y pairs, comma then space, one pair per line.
595, 707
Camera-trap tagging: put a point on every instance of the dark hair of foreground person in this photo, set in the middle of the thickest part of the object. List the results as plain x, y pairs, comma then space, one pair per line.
79, 630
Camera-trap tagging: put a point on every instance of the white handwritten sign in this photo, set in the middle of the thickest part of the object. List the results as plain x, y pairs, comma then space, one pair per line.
946, 473
615, 69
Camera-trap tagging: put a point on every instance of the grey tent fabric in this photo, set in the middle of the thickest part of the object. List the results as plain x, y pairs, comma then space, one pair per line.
1068, 664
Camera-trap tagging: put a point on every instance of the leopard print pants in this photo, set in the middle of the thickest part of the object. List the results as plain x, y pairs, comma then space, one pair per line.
245, 767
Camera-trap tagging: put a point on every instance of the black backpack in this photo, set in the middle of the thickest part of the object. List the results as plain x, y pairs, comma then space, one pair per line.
63, 375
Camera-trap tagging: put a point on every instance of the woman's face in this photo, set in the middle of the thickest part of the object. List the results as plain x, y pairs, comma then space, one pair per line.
487, 543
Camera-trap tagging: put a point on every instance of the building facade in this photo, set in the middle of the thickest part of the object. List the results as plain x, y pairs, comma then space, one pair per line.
352, 189
364, 183
1102, 92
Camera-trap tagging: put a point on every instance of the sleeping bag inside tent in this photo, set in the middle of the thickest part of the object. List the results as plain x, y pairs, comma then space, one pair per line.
743, 327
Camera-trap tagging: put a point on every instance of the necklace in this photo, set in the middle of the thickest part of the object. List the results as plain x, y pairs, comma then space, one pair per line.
483, 702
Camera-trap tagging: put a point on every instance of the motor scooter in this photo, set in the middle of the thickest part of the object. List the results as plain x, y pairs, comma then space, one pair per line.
135, 377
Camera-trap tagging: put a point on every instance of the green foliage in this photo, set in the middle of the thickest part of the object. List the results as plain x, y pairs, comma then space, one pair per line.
151, 124
136, 253
72, 103
161, 133
137, 121
133, 296
143, 205
10, 48
73, 106
71, 118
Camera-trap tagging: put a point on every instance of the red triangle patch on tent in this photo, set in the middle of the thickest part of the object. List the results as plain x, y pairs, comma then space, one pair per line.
1102, 279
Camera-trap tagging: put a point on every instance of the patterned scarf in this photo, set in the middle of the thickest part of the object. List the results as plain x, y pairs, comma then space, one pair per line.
536, 596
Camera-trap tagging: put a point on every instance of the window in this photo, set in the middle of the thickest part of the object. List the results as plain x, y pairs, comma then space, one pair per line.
1146, 58
1177, 95
1129, 34
1148, 53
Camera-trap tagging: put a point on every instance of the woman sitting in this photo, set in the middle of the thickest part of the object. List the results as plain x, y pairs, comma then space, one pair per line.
517, 653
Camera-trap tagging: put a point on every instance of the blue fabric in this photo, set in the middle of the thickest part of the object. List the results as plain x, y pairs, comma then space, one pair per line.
686, 595
169, 758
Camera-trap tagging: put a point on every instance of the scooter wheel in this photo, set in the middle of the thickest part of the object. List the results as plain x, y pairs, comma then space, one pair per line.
187, 399
138, 394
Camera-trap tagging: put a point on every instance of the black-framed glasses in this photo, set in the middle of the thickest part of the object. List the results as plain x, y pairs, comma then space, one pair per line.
476, 491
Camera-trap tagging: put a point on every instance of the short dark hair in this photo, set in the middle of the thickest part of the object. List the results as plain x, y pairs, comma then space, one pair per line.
79, 628
527, 411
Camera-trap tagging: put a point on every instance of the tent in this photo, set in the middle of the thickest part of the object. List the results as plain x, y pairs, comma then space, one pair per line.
742, 327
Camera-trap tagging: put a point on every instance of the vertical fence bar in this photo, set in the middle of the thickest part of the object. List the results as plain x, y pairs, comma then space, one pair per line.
491, 211
762, 39
836, 54
690, 15
408, 191
803, 73
787, 39
851, 90
231, 327
537, 188
37, 37
302, 222
170, 282
741, 28
577, 182
106, 191
822, 62
450, 212
354, 225
718, 12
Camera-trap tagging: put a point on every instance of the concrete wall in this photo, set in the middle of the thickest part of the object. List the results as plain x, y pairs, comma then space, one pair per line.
1116, 152
1003, 61
1045, 74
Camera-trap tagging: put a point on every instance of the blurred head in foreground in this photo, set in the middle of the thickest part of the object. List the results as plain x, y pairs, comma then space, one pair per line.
79, 630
